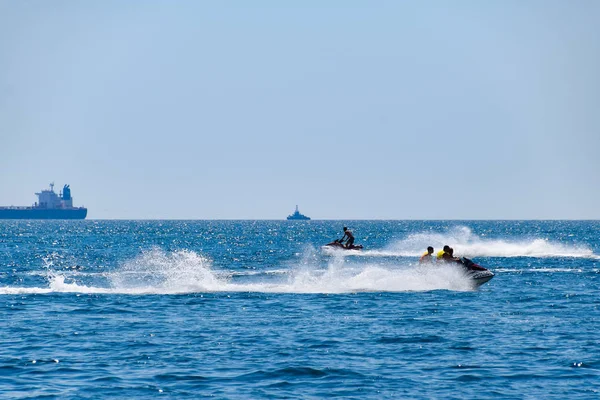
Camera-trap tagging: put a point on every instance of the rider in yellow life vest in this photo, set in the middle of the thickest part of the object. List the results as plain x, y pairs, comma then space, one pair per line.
426, 257
440, 254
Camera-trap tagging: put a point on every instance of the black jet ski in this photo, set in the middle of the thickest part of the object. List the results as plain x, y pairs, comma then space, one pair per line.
476, 272
336, 244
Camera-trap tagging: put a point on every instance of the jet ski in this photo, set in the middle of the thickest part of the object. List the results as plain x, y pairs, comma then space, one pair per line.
336, 244
476, 272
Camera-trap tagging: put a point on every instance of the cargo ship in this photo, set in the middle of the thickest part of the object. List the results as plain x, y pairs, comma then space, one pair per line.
296, 216
49, 206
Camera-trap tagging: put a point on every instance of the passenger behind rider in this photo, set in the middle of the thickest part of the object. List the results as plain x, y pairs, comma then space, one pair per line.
449, 256
427, 257
440, 254
348, 234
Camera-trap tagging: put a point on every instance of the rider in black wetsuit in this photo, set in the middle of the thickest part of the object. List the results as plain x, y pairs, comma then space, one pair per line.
350, 241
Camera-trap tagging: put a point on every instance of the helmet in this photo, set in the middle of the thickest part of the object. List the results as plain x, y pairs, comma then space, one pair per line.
345, 228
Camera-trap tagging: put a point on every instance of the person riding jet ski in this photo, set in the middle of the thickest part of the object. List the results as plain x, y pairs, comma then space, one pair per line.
449, 256
476, 272
349, 237
440, 254
347, 234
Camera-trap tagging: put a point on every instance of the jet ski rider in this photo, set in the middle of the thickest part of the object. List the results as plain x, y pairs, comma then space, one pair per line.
427, 257
350, 241
440, 254
449, 256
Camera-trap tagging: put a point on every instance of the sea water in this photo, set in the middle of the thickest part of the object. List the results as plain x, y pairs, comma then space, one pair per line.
258, 309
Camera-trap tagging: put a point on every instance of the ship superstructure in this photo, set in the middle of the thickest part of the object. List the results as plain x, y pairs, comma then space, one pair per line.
298, 216
49, 206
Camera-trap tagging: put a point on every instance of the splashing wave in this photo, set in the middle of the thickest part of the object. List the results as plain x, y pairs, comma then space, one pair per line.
159, 272
465, 243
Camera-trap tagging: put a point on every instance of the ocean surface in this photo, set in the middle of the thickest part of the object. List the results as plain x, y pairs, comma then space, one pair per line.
257, 309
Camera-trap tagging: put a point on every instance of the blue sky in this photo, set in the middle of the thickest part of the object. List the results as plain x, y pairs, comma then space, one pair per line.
352, 109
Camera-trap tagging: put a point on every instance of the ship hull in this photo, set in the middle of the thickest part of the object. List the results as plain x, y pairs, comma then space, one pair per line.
37, 213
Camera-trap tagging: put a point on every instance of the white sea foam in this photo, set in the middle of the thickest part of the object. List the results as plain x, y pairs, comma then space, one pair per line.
174, 272
341, 278
466, 243
24, 290
159, 272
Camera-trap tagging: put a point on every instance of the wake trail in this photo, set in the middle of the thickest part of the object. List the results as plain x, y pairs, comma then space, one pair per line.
468, 244
158, 272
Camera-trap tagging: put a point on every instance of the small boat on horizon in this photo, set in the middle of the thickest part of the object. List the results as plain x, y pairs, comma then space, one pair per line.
297, 216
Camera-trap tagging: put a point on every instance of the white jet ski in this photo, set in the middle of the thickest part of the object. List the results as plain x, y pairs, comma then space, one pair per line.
476, 272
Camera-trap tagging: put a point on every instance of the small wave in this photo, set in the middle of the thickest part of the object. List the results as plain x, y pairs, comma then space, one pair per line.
300, 372
411, 339
543, 270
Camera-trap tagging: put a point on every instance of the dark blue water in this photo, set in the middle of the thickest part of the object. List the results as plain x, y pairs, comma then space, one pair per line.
256, 309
